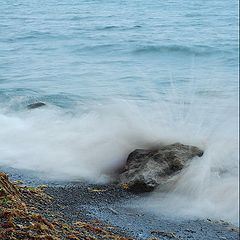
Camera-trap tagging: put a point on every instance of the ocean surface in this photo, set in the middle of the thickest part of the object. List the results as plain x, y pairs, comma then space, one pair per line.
120, 75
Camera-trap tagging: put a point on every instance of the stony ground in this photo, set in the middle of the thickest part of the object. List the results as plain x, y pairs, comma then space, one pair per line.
85, 211
113, 206
28, 213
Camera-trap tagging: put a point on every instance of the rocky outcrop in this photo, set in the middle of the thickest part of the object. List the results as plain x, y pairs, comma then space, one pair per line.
147, 169
6, 187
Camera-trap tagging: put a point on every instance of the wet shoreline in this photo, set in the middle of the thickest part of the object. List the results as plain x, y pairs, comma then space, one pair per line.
114, 206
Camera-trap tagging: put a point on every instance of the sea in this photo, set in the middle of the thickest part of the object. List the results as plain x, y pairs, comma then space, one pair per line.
117, 75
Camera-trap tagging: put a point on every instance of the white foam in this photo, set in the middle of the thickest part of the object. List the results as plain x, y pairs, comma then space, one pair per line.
91, 142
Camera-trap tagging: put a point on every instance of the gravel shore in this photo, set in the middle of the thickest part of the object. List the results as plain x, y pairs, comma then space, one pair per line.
114, 206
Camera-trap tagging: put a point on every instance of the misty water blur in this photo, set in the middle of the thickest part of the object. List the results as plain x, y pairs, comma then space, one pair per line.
154, 72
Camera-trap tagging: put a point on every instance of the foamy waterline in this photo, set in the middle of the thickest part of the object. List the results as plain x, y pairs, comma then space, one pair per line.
91, 142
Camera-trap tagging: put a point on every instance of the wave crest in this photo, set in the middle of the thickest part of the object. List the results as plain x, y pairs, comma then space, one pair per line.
178, 49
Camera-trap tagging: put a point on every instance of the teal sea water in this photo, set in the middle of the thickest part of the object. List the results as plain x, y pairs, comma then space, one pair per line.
67, 51
120, 75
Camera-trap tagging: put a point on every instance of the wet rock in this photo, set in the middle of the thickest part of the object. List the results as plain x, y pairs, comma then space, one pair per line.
165, 234
147, 169
36, 105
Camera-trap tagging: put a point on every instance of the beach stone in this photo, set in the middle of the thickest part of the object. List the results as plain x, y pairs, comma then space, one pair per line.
36, 105
147, 169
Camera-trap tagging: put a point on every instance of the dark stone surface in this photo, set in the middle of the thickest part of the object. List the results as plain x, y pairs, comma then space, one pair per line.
36, 105
147, 169
119, 208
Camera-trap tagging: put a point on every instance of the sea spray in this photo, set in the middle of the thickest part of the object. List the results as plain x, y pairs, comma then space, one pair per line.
209, 187
175, 64
87, 144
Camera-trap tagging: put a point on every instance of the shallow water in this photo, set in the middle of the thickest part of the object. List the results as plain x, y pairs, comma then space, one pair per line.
120, 75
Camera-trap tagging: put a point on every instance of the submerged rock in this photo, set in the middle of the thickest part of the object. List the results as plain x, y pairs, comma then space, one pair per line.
36, 105
147, 169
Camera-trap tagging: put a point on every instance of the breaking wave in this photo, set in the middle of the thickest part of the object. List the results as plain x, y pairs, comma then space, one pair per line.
90, 141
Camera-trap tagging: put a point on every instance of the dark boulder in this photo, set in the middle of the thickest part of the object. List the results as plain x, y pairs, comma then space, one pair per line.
36, 105
147, 169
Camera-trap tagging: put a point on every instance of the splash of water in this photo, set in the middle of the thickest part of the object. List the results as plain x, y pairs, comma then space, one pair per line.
91, 141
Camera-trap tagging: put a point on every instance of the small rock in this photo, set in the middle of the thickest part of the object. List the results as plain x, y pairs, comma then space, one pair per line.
36, 105
190, 230
165, 234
